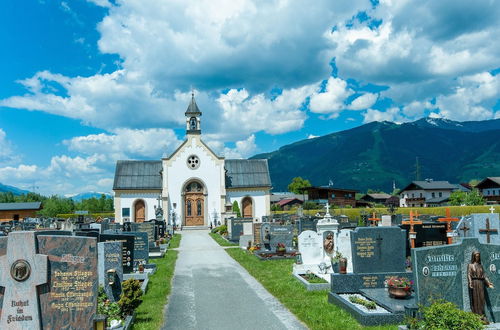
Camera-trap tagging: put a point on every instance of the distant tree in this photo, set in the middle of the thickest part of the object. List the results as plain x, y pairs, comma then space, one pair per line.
276, 207
308, 205
474, 198
474, 182
298, 183
457, 198
374, 191
236, 209
471, 198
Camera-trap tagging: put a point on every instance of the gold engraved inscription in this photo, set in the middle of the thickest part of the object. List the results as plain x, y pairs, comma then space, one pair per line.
365, 247
72, 291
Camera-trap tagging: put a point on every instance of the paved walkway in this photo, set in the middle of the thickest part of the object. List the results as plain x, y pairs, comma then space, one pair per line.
212, 291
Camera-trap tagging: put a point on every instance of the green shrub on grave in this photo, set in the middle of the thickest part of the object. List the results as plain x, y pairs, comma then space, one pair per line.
442, 314
106, 307
130, 298
222, 230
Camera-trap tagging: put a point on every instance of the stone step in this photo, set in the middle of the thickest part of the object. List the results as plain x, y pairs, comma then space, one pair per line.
195, 228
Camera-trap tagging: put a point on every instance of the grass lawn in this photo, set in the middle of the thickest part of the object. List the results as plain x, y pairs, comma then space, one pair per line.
149, 315
311, 307
222, 241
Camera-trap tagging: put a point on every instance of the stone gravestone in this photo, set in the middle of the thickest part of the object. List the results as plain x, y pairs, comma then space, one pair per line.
265, 235
386, 221
146, 227
441, 272
52, 287
311, 249
428, 234
110, 259
127, 249
161, 226
304, 224
486, 227
378, 249
237, 228
281, 234
141, 248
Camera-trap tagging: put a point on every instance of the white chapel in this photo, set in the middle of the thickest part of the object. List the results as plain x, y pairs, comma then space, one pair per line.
195, 186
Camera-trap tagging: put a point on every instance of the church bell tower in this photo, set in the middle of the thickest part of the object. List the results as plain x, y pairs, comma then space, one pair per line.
193, 115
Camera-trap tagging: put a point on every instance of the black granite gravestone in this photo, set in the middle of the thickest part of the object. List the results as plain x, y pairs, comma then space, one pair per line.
428, 234
127, 246
141, 248
110, 268
378, 249
146, 227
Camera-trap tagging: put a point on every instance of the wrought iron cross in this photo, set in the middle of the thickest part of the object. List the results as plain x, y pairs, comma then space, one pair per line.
488, 230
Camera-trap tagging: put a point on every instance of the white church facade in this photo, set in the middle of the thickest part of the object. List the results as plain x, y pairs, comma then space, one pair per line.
195, 186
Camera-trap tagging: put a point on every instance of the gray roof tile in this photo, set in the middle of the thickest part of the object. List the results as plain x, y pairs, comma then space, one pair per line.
20, 206
137, 174
244, 173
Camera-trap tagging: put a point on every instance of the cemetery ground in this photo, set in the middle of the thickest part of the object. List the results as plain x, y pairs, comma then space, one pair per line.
221, 240
311, 307
149, 315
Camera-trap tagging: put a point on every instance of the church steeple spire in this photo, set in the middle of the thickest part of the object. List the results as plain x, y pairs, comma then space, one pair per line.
193, 115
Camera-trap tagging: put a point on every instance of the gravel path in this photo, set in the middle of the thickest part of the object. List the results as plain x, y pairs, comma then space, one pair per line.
212, 291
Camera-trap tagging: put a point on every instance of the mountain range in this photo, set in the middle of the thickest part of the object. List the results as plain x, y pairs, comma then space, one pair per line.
12, 189
378, 154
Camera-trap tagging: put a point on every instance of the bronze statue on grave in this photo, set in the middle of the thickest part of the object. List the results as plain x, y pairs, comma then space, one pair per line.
328, 243
477, 281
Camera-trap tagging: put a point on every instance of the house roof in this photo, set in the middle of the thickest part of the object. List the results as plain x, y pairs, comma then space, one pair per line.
437, 200
378, 196
137, 174
20, 206
327, 188
430, 185
243, 173
286, 201
491, 179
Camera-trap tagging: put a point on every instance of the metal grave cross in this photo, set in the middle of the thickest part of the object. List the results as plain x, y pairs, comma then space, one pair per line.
492, 209
465, 229
412, 233
488, 230
373, 220
22, 271
448, 219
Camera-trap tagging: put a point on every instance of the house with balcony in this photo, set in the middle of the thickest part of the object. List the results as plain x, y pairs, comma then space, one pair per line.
490, 189
334, 196
426, 193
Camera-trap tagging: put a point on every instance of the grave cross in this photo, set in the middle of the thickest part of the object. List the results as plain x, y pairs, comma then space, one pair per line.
413, 233
373, 220
22, 271
492, 209
488, 230
159, 200
465, 229
448, 219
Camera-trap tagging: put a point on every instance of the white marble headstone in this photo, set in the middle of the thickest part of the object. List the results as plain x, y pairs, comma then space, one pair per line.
386, 221
248, 228
310, 247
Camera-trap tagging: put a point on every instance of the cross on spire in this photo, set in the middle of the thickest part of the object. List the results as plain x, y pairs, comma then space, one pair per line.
374, 220
448, 219
488, 230
412, 233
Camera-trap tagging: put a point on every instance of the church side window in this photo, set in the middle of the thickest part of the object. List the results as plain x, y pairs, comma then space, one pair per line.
198, 207
189, 208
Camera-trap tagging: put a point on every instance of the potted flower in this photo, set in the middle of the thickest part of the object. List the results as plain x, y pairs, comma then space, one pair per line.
399, 287
280, 249
335, 259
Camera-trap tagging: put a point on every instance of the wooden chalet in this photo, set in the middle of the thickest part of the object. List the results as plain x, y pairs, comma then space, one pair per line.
334, 196
18, 211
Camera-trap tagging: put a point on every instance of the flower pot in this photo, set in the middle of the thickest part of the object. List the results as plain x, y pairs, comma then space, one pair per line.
343, 266
335, 267
399, 293
280, 252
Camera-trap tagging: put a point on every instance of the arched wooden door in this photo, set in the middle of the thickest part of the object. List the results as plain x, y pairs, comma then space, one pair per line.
246, 204
194, 205
140, 211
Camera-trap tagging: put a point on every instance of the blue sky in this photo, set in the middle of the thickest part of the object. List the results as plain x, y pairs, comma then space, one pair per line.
85, 83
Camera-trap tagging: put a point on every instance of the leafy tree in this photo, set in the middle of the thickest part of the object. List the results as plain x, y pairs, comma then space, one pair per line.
308, 205
474, 198
276, 207
298, 183
236, 209
457, 198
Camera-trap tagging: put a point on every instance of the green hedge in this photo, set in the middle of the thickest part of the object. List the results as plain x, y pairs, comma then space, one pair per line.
455, 211
94, 215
